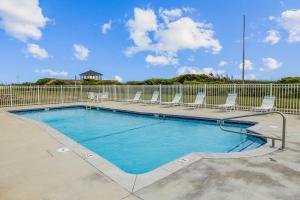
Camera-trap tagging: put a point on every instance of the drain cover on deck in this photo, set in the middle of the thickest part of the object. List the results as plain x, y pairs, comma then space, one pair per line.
89, 155
62, 150
182, 160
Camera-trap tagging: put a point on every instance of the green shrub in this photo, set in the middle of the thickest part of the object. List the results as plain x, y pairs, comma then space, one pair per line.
135, 83
44, 81
182, 79
289, 80
99, 82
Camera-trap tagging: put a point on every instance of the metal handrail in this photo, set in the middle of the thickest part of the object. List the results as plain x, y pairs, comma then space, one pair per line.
221, 122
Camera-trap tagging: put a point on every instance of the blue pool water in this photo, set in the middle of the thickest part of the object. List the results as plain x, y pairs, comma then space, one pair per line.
140, 143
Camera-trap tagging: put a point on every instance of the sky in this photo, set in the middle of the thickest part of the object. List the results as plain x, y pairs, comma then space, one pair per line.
136, 39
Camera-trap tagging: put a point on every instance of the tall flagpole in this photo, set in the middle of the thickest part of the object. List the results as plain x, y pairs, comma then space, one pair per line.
244, 34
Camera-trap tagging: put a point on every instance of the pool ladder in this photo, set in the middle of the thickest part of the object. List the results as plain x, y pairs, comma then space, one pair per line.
89, 105
282, 139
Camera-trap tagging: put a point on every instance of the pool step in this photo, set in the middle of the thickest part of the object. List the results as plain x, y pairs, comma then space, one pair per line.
253, 146
241, 146
246, 145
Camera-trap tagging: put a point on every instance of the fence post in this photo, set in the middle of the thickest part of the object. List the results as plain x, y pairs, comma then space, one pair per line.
181, 92
234, 88
115, 93
205, 92
271, 88
81, 93
143, 92
11, 96
160, 94
61, 94
38, 94
127, 91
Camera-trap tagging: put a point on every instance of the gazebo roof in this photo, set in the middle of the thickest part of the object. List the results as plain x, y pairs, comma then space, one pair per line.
90, 73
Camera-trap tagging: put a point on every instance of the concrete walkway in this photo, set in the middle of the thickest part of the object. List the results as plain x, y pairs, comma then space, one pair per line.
31, 167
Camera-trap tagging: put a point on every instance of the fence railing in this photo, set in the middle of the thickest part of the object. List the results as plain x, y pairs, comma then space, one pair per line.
249, 95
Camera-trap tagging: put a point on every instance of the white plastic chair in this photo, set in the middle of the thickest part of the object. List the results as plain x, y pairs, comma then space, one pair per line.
267, 104
91, 96
230, 102
102, 96
154, 98
136, 97
175, 101
199, 100
91, 99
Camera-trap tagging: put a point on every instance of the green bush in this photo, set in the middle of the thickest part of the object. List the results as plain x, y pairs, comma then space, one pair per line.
289, 80
44, 81
99, 82
157, 81
182, 79
135, 83
59, 82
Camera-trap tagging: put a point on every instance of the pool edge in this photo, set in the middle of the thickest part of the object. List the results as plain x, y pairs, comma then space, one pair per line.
134, 182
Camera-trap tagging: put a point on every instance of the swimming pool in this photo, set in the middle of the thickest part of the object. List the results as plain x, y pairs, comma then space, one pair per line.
139, 143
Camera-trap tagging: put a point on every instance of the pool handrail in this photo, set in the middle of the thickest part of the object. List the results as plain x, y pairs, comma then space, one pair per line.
221, 123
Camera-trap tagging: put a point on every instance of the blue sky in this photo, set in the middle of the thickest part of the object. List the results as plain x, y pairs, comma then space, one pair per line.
137, 40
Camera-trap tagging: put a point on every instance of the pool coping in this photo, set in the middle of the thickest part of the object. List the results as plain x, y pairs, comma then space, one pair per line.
134, 182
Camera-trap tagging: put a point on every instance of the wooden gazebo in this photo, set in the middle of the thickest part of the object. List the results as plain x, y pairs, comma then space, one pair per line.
91, 75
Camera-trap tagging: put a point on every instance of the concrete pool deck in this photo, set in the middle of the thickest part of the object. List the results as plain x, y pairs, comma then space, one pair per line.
31, 167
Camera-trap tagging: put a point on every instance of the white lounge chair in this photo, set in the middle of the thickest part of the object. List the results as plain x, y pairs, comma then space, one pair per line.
91, 99
154, 98
199, 100
91, 96
230, 102
175, 101
267, 104
136, 98
102, 96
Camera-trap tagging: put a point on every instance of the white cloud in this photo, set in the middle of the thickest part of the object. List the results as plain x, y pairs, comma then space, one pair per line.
271, 18
118, 78
248, 65
171, 14
81, 52
143, 22
271, 63
222, 63
188, 9
272, 37
51, 72
290, 21
261, 69
250, 77
196, 70
185, 33
36, 51
169, 33
161, 60
22, 19
106, 27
